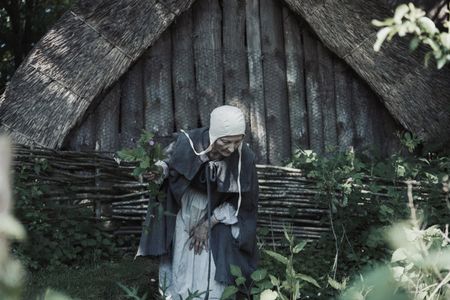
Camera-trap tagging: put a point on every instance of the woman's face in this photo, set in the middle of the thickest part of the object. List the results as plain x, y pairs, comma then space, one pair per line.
226, 145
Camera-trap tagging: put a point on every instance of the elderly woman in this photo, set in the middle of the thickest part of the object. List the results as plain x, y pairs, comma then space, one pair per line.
208, 169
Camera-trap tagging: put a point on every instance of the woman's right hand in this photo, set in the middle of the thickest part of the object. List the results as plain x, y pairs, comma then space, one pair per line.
150, 176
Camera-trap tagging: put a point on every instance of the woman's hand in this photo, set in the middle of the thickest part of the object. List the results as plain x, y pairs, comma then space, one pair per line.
199, 235
150, 176
199, 238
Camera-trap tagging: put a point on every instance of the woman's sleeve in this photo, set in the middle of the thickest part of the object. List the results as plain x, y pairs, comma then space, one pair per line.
164, 164
226, 214
247, 216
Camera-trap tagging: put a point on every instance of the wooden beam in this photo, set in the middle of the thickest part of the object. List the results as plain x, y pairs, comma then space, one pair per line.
256, 82
275, 88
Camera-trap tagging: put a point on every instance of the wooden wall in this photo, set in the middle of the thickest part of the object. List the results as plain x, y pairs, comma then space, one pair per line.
255, 54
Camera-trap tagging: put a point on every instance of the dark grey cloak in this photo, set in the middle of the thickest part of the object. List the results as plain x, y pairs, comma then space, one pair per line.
184, 166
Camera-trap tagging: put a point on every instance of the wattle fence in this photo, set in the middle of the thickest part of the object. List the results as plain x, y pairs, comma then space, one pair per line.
99, 182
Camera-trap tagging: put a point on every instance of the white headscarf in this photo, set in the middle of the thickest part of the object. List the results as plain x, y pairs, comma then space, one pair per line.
225, 120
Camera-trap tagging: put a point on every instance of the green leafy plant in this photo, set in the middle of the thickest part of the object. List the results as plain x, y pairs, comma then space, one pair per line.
146, 153
408, 19
260, 283
419, 267
367, 196
57, 234
132, 293
410, 141
287, 285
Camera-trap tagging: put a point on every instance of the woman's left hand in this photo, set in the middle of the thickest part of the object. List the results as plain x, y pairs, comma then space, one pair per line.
199, 238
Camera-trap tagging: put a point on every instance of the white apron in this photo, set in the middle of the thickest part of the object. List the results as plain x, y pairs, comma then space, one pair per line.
187, 271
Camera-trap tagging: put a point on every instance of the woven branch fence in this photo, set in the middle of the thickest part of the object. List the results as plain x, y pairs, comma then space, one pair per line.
97, 181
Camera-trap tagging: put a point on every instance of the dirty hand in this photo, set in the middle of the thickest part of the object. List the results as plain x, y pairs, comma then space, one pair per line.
150, 176
199, 238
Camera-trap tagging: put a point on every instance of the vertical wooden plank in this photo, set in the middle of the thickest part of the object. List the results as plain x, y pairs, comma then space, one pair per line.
374, 117
183, 77
83, 137
382, 126
312, 92
256, 82
107, 120
275, 89
361, 117
235, 57
327, 99
158, 116
207, 16
295, 81
388, 127
343, 94
131, 106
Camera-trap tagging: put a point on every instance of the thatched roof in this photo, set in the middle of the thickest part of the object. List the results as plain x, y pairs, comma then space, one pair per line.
419, 98
89, 48
95, 43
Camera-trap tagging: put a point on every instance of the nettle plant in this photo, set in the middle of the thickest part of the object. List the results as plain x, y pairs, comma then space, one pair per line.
265, 286
409, 20
146, 153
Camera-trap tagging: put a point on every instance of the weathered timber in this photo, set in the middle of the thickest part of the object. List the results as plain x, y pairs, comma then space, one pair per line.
389, 128
208, 56
107, 120
274, 70
158, 87
363, 137
295, 81
83, 138
402, 82
256, 82
183, 77
343, 94
132, 107
315, 123
235, 57
327, 97
87, 50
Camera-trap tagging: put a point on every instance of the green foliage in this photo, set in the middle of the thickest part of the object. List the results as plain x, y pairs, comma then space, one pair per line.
366, 196
411, 20
146, 153
259, 284
132, 293
57, 234
419, 267
287, 285
93, 281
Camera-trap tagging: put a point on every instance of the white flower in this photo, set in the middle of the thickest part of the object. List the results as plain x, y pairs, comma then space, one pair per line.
445, 39
427, 24
381, 36
268, 295
400, 12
